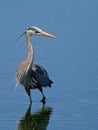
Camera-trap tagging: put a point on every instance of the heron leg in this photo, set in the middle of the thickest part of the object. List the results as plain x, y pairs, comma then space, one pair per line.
29, 93
44, 98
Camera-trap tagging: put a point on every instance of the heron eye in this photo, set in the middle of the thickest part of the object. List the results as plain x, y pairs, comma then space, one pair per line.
36, 31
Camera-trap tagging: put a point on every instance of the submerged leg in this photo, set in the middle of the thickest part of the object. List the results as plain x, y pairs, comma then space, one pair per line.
29, 93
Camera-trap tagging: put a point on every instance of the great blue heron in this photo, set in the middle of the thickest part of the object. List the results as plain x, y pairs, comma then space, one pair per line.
31, 75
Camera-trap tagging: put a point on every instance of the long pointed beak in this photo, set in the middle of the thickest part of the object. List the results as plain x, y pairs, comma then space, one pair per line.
47, 34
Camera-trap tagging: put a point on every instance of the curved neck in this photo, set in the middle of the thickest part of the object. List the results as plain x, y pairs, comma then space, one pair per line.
30, 50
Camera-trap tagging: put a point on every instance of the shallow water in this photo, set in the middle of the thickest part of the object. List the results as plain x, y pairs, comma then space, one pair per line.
71, 60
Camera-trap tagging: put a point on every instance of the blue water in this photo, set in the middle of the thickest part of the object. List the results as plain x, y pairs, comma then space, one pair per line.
71, 61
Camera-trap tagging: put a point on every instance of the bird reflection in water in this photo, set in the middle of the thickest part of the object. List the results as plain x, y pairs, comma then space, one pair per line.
35, 121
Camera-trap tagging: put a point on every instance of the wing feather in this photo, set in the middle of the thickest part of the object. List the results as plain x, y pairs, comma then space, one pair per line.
41, 75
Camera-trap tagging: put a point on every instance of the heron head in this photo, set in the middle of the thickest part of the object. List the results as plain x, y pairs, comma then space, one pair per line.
37, 31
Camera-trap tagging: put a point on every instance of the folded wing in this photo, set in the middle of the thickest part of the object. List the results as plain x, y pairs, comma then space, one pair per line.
40, 75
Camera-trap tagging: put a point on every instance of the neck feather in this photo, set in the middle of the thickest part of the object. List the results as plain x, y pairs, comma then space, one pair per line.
30, 56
